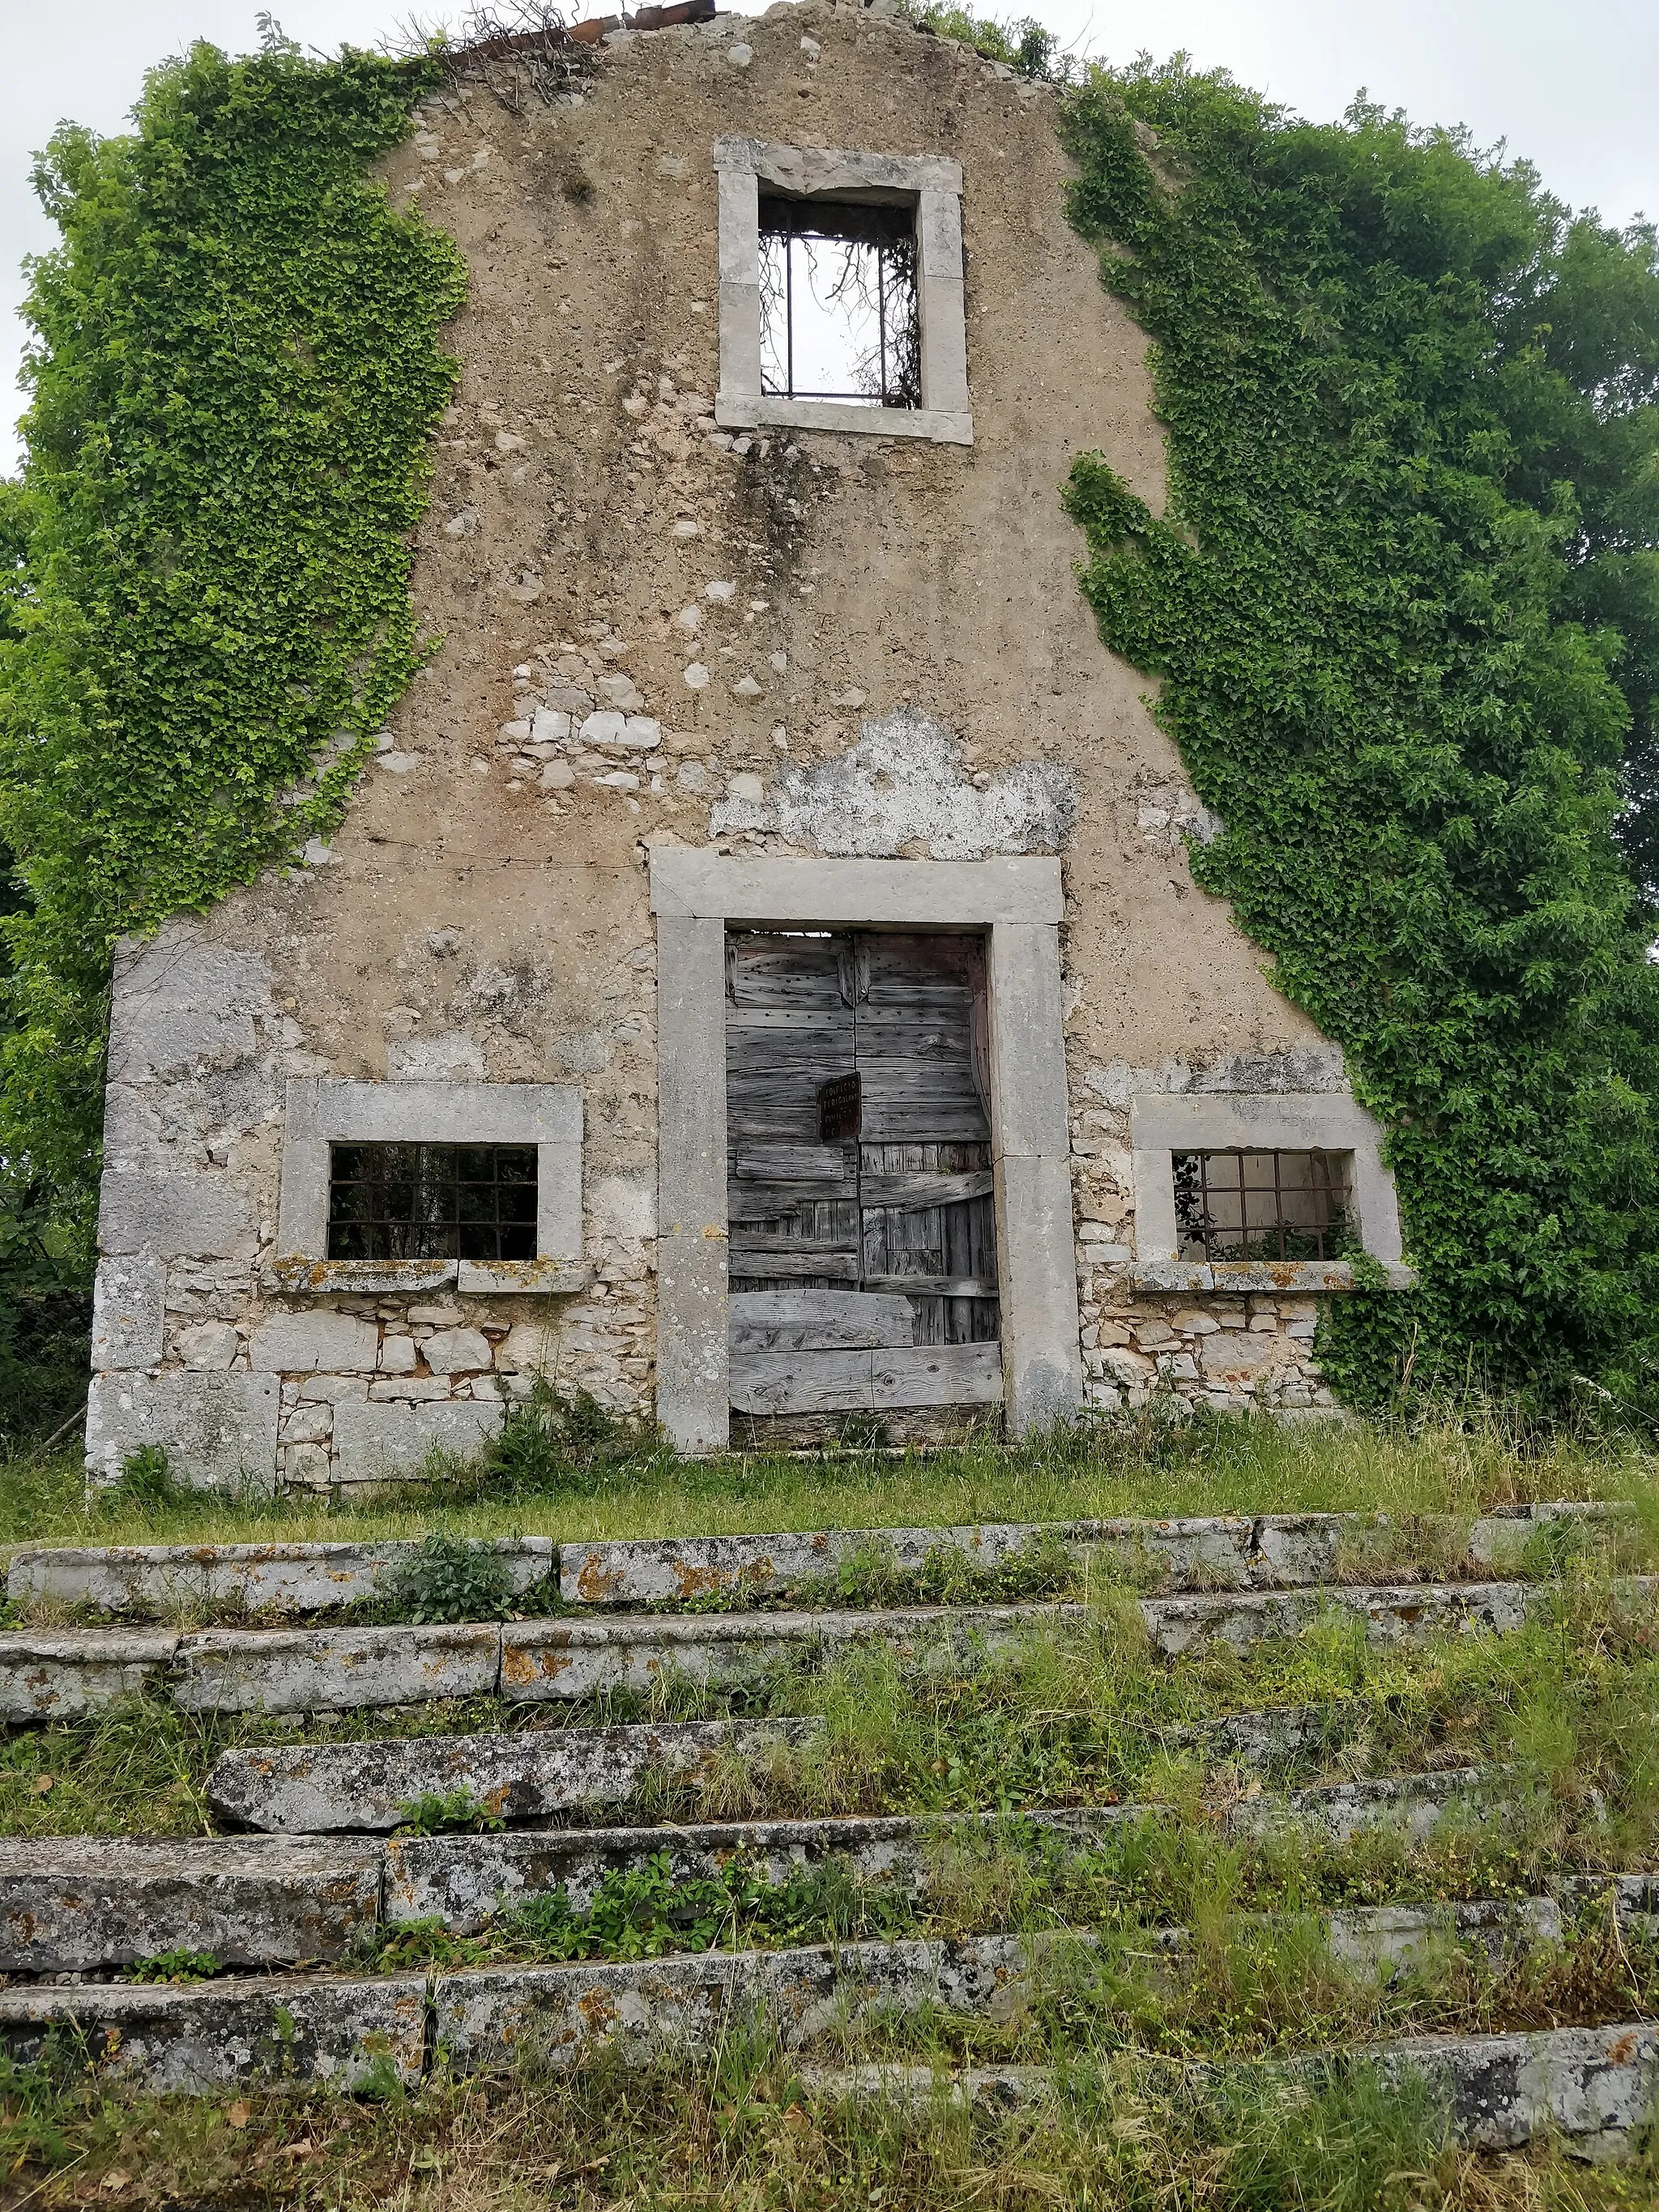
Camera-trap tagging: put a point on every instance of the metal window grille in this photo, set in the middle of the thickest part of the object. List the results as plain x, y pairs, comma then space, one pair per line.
840, 312
432, 1202
1261, 1206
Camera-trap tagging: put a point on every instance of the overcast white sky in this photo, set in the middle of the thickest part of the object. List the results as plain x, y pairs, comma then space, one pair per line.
1572, 84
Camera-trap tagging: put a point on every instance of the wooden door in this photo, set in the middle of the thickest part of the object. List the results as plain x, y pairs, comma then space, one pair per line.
863, 1251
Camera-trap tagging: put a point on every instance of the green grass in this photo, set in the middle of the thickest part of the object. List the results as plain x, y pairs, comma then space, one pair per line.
1083, 1714
1142, 1464
741, 2132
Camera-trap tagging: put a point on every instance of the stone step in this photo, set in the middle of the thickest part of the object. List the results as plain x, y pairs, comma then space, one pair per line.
325, 1788
69, 1904
1593, 2087
265, 2029
1391, 1613
462, 1880
63, 1676
283, 1670
286, 1578
1235, 1552
1218, 1552
343, 2034
76, 1904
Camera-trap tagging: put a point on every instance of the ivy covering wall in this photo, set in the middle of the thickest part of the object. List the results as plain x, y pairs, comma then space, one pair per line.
204, 607
1404, 610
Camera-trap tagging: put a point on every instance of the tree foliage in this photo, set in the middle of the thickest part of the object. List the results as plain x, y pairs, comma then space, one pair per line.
1404, 605
206, 568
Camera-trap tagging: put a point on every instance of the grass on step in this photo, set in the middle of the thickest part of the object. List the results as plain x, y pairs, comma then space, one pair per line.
742, 2133
1141, 1464
1084, 1714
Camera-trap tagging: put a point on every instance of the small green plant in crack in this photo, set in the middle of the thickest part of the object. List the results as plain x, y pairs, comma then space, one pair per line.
446, 1813
174, 1966
415, 1943
449, 1579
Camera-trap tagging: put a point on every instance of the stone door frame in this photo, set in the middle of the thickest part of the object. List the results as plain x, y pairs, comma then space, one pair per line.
1018, 904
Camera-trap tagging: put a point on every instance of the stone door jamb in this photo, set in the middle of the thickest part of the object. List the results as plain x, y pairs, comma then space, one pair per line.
1019, 903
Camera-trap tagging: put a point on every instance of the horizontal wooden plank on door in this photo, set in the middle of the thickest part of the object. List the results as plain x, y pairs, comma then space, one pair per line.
763, 1021
937, 1375
848, 1381
775, 968
934, 1287
912, 1194
776, 1163
789, 1260
915, 1033
785, 1321
803, 1382
891, 1121
771, 1201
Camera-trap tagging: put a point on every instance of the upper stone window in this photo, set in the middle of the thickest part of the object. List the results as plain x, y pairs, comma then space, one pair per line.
841, 292
840, 315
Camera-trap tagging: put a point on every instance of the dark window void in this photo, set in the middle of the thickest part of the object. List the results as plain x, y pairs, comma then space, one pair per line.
839, 312
432, 1202
1261, 1206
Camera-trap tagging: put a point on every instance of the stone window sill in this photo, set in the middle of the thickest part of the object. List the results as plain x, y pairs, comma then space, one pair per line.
744, 412
1290, 1277
474, 1279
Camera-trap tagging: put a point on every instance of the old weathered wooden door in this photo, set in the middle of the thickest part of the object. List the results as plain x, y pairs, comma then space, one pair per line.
864, 1273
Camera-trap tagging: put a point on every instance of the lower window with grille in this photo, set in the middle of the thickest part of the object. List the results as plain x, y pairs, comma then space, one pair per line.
1261, 1205
432, 1202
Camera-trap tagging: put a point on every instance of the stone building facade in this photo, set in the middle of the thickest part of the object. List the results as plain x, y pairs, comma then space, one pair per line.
717, 662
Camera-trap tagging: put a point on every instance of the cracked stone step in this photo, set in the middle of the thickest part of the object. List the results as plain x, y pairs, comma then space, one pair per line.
576, 1658
1396, 1612
326, 1788
72, 1904
1593, 2086
80, 1904
654, 1570
1195, 1553
1198, 1553
354, 2032
257, 2030
63, 1677
688, 2001
319, 1669
305, 1670
296, 1578
463, 1880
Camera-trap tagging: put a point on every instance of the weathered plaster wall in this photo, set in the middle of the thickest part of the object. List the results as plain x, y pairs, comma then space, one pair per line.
653, 631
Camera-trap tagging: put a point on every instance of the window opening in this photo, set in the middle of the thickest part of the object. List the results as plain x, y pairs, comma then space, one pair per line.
1261, 1206
840, 312
432, 1202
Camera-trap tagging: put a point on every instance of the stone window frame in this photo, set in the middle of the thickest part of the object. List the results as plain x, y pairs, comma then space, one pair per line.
324, 1111
1163, 1123
935, 183
696, 895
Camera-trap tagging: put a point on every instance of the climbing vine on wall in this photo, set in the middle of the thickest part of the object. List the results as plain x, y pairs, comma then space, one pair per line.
1403, 608
236, 368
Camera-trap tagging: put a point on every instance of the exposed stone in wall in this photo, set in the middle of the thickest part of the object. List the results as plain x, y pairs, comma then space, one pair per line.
902, 789
195, 1349
1231, 1354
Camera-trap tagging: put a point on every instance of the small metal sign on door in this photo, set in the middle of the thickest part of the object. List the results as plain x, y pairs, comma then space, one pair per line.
841, 1109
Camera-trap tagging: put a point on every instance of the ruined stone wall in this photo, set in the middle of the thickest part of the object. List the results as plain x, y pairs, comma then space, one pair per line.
654, 630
